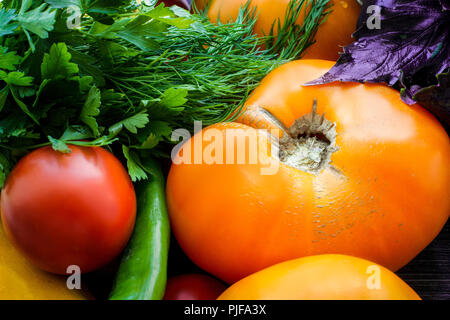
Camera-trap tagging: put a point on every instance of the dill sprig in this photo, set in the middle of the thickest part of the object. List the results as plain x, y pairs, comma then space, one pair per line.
291, 39
218, 66
287, 38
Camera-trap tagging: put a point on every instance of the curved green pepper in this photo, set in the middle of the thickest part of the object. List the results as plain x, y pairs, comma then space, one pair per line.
142, 272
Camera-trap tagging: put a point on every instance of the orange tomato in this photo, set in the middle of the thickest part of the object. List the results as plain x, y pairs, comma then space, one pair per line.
201, 4
323, 277
333, 34
380, 190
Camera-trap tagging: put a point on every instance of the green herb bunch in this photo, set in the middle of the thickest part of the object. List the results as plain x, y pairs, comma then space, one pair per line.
123, 75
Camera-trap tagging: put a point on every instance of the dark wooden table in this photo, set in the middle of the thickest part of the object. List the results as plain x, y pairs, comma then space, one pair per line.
429, 272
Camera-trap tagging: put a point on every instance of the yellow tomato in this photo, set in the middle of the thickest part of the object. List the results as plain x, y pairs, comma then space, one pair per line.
19, 280
323, 277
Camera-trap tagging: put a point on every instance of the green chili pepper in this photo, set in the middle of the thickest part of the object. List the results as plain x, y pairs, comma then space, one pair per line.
142, 272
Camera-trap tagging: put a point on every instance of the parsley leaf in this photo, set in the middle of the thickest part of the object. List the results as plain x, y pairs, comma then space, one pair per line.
137, 32
59, 145
151, 141
174, 98
135, 170
73, 133
59, 4
133, 123
155, 132
21, 104
91, 109
16, 78
38, 21
90, 6
6, 25
9, 60
167, 15
56, 64
105, 6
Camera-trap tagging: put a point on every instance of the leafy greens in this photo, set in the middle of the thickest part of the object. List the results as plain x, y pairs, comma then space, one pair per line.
122, 75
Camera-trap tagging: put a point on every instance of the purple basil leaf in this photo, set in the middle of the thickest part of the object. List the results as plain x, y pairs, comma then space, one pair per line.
409, 49
186, 4
445, 4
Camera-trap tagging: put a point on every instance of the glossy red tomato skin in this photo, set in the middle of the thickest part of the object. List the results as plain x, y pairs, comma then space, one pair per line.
69, 209
193, 287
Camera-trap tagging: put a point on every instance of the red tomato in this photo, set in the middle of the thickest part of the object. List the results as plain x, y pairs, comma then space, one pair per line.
193, 287
69, 209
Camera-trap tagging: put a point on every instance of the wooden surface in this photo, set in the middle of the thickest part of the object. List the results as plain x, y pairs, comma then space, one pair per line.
429, 272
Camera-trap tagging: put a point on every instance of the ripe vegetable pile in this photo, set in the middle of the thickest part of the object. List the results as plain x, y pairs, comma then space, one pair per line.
91, 95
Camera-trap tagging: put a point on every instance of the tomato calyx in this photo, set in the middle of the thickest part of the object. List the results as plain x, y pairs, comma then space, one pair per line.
309, 143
